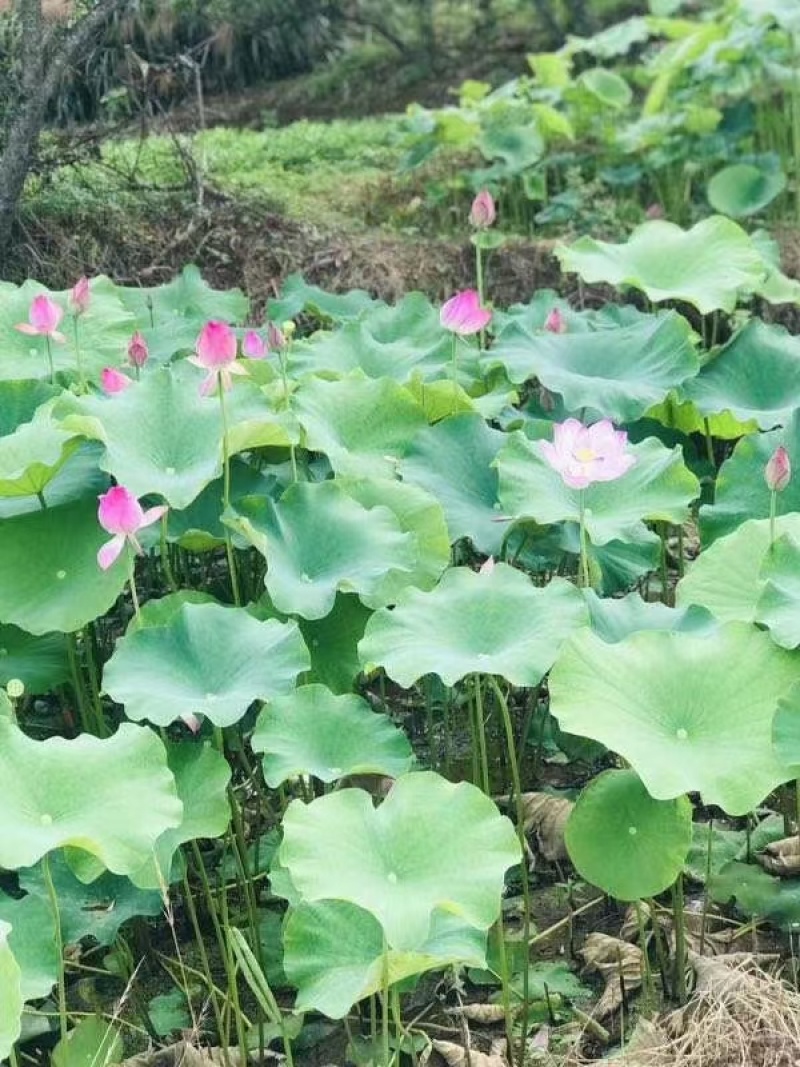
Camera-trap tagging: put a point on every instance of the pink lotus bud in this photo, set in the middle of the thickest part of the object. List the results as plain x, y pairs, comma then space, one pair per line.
44, 316
483, 211
555, 322
138, 352
254, 346
778, 470
114, 381
275, 336
121, 514
216, 354
463, 314
80, 297
655, 211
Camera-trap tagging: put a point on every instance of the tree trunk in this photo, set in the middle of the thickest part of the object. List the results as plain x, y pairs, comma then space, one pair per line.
43, 55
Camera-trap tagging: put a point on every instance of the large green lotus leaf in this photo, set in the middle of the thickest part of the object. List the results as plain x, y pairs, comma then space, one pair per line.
741, 492
171, 316
39, 662
160, 435
199, 527
625, 842
453, 461
758, 894
318, 541
312, 731
49, 577
388, 342
618, 373
685, 418
431, 844
778, 606
615, 618
743, 189
298, 295
689, 713
786, 728
11, 998
97, 910
334, 954
756, 376
202, 775
333, 643
254, 419
493, 622
726, 578
46, 803
19, 402
658, 487
33, 942
32, 455
207, 660
419, 515
78, 478
707, 266
363, 425
103, 333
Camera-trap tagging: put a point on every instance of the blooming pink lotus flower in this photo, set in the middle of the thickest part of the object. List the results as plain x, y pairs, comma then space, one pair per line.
120, 513
216, 354
483, 211
43, 318
138, 352
585, 454
114, 381
80, 296
254, 346
555, 322
463, 314
778, 470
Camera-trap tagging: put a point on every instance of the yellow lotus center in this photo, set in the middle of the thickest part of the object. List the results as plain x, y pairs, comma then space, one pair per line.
585, 455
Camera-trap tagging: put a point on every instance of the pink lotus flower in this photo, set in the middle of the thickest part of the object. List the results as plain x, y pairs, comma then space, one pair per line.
254, 346
778, 470
120, 513
483, 211
114, 381
138, 352
463, 314
80, 296
43, 319
585, 454
216, 354
555, 322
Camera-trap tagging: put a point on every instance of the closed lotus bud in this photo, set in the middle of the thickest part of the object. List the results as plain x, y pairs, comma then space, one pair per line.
555, 322
483, 211
80, 296
138, 352
275, 337
253, 345
778, 470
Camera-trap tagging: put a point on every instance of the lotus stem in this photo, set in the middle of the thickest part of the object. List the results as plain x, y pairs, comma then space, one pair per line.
385, 1006
583, 568
680, 940
166, 563
226, 496
481, 285
480, 729
773, 511
49, 352
62, 990
78, 356
132, 582
454, 372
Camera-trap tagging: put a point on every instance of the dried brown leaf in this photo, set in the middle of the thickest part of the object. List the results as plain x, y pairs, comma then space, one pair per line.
483, 1013
620, 964
456, 1056
782, 857
546, 817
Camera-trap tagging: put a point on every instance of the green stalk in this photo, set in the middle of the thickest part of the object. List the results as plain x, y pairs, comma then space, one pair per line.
584, 579
132, 582
78, 357
773, 510
479, 277
166, 562
680, 940
387, 1058
226, 496
505, 987
77, 682
188, 900
454, 372
49, 351
480, 725
62, 987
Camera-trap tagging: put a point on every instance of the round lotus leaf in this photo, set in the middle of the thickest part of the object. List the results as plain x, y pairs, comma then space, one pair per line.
40, 663
318, 541
689, 713
778, 606
44, 802
78, 478
618, 373
312, 731
517, 146
625, 842
430, 845
334, 954
615, 618
758, 894
33, 942
11, 999
657, 488
363, 425
493, 622
786, 728
755, 376
685, 418
707, 266
20, 401
160, 435
742, 189
97, 910
607, 87
453, 461
33, 454
333, 643
207, 660
727, 578
49, 578
741, 492
298, 295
